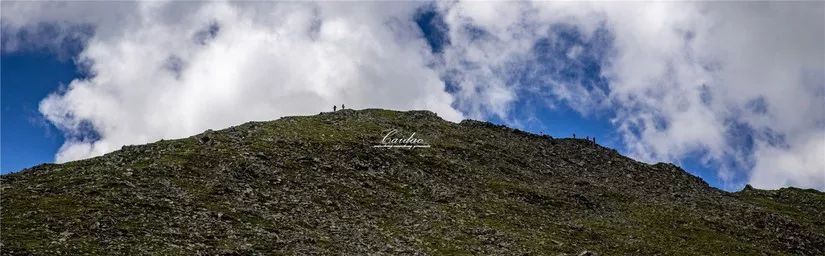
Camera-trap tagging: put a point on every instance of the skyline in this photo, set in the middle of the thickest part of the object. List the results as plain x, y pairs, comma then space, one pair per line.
733, 92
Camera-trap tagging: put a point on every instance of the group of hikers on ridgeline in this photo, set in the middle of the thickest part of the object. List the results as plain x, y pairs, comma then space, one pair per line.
335, 107
593, 139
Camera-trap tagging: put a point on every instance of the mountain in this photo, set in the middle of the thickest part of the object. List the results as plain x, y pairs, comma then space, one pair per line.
319, 185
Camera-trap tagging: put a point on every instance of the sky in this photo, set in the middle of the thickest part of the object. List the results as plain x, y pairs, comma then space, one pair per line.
734, 92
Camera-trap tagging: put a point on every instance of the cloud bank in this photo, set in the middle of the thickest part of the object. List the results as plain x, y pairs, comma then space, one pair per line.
168, 70
742, 85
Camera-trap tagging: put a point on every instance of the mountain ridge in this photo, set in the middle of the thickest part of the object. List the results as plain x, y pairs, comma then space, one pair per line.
316, 184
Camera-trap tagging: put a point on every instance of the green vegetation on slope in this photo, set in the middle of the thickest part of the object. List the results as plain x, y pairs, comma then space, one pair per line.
315, 184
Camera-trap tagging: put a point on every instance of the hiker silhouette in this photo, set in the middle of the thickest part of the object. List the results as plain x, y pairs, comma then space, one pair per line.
342, 106
334, 108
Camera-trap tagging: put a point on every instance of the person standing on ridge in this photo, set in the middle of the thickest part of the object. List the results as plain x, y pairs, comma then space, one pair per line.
342, 107
334, 108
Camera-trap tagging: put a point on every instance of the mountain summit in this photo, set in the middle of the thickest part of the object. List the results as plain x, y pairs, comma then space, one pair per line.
387, 182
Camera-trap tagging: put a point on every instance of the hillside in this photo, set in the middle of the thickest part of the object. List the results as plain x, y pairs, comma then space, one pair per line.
317, 185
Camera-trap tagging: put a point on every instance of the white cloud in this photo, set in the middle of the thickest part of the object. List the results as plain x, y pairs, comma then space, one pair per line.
684, 78
798, 164
153, 79
742, 84
710, 63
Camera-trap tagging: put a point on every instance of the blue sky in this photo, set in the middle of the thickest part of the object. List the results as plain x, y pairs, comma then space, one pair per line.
28, 139
672, 82
28, 77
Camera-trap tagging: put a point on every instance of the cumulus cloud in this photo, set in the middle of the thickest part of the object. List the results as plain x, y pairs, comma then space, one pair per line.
740, 84
167, 70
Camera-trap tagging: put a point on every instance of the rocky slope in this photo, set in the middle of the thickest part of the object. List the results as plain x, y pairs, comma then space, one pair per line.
316, 185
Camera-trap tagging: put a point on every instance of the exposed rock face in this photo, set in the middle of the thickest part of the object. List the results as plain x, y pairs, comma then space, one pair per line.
316, 184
